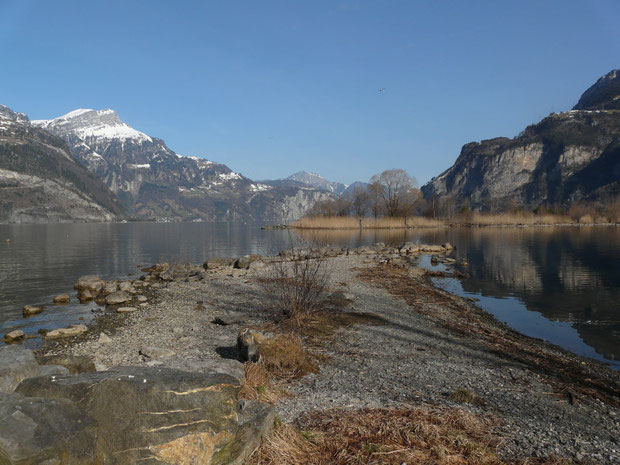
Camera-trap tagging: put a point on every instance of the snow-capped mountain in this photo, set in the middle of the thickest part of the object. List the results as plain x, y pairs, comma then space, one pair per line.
41, 182
154, 182
318, 181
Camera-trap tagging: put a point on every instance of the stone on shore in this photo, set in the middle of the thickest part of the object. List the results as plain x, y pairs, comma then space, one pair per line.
16, 335
29, 310
126, 309
62, 299
92, 283
119, 297
16, 364
71, 331
109, 288
84, 295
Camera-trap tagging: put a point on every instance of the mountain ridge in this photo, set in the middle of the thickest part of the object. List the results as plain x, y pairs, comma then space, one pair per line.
41, 182
566, 158
155, 183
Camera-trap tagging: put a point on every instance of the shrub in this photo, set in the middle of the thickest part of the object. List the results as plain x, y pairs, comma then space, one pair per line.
296, 282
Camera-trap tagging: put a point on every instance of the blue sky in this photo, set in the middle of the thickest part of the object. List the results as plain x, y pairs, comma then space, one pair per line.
270, 88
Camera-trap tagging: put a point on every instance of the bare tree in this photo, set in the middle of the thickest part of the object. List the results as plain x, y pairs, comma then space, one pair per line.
395, 190
375, 199
359, 201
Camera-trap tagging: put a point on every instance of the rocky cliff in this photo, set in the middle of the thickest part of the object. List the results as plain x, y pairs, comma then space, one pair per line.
41, 182
155, 183
568, 157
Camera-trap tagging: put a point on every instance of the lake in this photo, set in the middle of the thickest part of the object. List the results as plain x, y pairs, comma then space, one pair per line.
561, 284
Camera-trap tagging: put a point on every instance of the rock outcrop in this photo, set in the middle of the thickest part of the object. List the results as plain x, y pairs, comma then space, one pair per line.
566, 158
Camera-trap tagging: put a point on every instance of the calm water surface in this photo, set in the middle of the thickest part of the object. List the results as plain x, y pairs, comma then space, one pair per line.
559, 284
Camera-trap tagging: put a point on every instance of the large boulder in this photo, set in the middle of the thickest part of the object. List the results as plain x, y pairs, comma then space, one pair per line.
16, 364
150, 415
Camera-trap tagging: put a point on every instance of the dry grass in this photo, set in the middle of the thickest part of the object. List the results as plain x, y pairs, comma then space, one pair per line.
285, 357
386, 436
522, 218
259, 386
348, 222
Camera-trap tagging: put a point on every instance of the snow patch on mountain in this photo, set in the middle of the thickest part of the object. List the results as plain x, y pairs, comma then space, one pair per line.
97, 124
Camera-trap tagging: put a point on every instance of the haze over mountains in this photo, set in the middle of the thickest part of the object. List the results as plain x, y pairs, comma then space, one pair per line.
568, 157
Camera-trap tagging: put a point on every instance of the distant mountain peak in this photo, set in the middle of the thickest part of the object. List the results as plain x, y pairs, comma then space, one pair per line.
318, 181
7, 114
88, 124
604, 94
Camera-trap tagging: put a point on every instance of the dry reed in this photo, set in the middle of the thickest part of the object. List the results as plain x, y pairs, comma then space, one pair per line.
349, 222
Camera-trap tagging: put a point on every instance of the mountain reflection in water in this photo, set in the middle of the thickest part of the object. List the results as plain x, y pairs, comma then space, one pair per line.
566, 274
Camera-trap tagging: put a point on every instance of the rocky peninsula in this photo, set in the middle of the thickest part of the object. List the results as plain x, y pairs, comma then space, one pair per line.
191, 364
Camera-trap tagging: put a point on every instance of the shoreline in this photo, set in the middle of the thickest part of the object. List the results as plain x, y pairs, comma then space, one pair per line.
438, 340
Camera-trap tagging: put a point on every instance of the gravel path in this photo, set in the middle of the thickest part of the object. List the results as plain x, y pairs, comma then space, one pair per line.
409, 361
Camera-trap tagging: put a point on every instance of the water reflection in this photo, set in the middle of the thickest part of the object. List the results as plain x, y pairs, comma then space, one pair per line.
566, 274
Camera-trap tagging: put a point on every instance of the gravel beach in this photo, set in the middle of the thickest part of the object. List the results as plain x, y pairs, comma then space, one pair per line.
429, 346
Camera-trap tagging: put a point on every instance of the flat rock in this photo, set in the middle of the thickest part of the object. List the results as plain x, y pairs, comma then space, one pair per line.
16, 364
126, 309
71, 331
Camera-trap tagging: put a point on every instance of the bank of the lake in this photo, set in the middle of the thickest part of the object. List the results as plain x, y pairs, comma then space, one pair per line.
423, 346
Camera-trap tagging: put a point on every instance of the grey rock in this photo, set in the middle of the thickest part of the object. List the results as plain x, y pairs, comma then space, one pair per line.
140, 413
16, 364
34, 430
53, 370
74, 363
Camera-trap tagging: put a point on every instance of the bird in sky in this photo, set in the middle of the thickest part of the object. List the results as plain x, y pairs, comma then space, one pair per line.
382, 89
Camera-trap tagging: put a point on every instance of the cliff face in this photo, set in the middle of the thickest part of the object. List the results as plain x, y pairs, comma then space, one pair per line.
567, 157
40, 182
